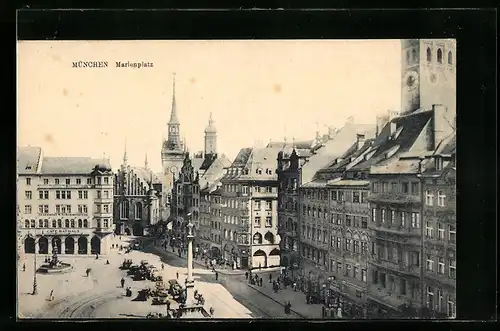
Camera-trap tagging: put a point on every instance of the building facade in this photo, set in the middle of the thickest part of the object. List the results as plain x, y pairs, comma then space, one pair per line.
185, 203
65, 203
397, 281
137, 199
440, 232
249, 210
288, 171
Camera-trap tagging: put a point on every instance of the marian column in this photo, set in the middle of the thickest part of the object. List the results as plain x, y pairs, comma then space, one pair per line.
190, 281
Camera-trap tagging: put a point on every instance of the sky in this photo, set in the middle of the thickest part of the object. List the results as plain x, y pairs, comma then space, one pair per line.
257, 91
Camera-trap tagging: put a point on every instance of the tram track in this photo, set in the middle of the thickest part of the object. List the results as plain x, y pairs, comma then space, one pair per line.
72, 310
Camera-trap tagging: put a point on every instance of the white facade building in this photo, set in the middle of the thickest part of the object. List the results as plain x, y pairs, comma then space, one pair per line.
63, 202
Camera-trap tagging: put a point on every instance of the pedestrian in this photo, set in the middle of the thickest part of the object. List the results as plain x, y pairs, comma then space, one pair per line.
51, 295
87, 271
260, 281
162, 266
168, 305
270, 278
107, 261
260, 266
122, 282
212, 311
97, 256
177, 275
216, 276
246, 275
294, 286
24, 266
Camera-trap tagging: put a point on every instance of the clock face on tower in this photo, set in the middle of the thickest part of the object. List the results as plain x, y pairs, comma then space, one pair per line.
173, 169
411, 80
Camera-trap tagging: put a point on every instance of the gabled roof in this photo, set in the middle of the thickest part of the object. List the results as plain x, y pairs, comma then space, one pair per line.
352, 153
215, 171
332, 149
72, 165
146, 175
242, 157
28, 159
255, 164
411, 127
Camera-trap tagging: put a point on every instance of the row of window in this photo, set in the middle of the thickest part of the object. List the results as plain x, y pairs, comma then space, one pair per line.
78, 181
80, 223
245, 189
288, 184
351, 271
355, 196
66, 195
257, 222
396, 218
67, 209
411, 57
441, 266
429, 198
441, 232
396, 187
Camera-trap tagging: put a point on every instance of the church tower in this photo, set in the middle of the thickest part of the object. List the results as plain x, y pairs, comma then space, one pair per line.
172, 154
428, 81
428, 72
210, 138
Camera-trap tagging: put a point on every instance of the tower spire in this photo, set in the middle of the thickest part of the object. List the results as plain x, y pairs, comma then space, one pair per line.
125, 158
173, 114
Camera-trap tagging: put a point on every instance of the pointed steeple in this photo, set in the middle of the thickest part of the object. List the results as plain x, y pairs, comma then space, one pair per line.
173, 114
146, 161
125, 158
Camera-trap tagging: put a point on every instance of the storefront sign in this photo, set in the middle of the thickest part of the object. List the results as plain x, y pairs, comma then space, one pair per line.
54, 232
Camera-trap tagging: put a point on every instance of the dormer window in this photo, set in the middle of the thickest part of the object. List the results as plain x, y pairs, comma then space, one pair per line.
439, 163
259, 171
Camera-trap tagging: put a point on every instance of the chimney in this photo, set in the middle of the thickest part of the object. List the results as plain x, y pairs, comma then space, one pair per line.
393, 128
360, 139
444, 123
331, 132
381, 122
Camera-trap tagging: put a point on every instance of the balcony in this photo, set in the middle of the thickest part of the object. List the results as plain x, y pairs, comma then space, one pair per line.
103, 200
395, 233
259, 195
64, 186
395, 198
400, 266
64, 215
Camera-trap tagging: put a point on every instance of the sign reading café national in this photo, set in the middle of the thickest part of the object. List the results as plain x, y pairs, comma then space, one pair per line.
61, 231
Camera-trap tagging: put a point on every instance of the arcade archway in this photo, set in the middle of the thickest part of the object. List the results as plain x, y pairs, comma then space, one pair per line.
82, 245
95, 245
43, 245
138, 230
29, 245
69, 245
259, 259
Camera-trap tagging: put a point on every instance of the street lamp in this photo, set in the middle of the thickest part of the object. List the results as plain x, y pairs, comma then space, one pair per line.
35, 291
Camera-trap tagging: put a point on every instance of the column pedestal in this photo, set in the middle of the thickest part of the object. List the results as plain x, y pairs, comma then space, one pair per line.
75, 249
49, 247
89, 247
37, 246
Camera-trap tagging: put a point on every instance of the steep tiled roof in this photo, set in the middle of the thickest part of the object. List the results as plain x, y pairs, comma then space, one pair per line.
71, 165
28, 159
307, 144
215, 171
334, 148
352, 153
242, 157
146, 175
411, 127
255, 164
451, 146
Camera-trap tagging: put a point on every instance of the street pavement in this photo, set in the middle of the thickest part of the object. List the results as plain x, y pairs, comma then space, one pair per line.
100, 295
